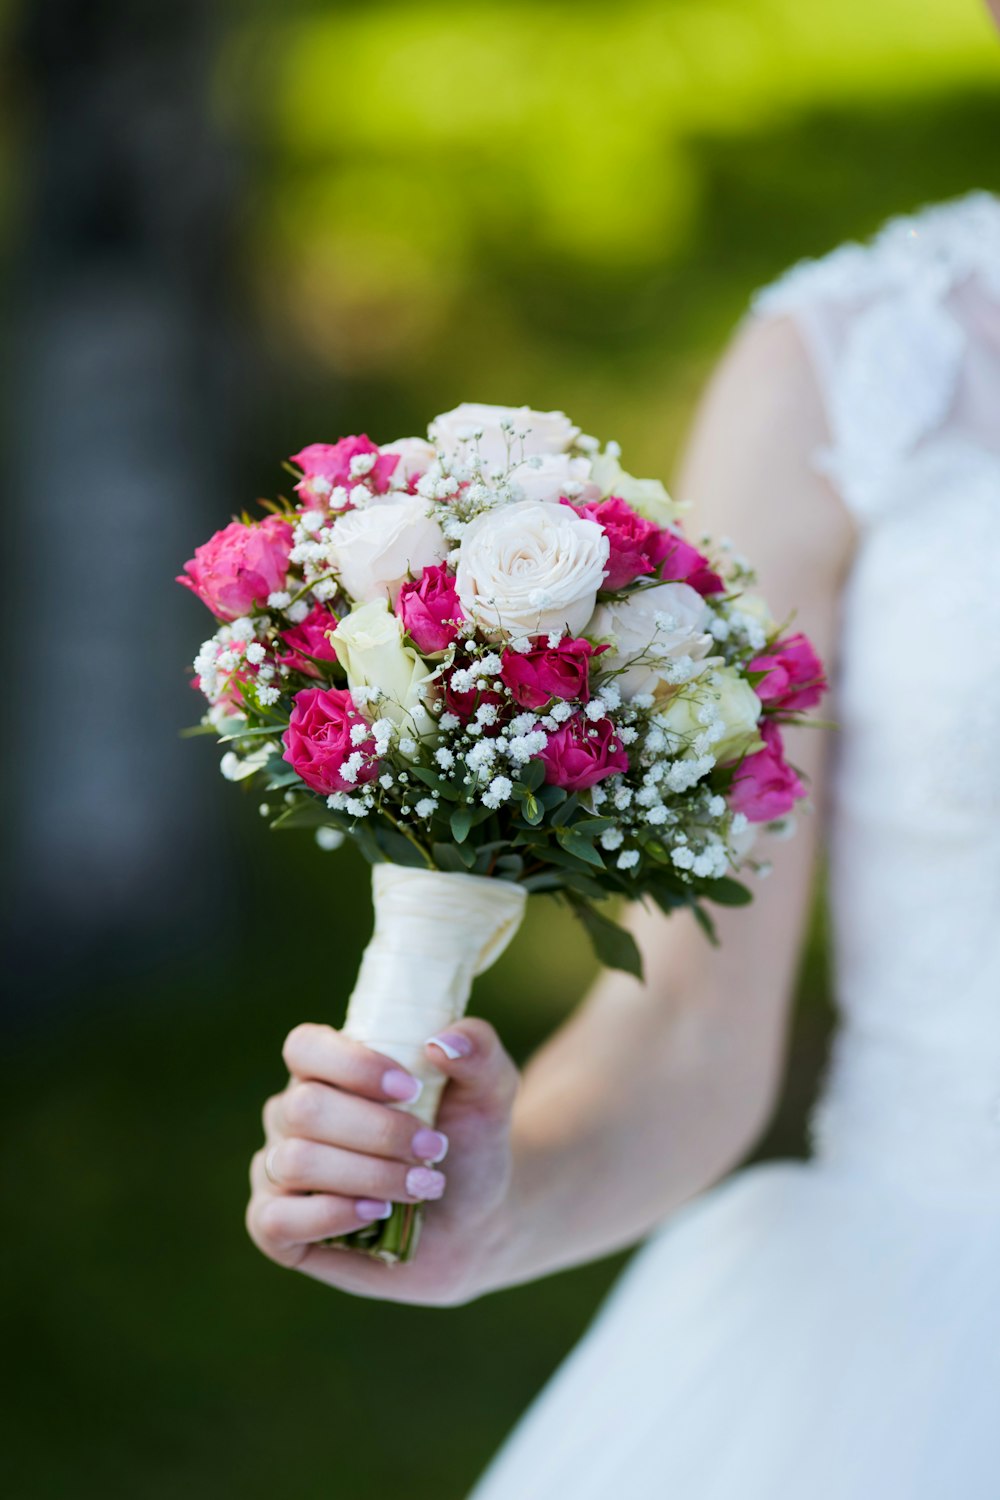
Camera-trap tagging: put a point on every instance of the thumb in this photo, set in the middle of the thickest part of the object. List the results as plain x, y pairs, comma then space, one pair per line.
483, 1076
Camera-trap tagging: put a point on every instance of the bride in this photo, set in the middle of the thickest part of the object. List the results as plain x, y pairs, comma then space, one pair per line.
829, 1328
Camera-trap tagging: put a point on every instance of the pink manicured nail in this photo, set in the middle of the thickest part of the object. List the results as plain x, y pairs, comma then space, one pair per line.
424, 1182
429, 1145
452, 1043
372, 1208
401, 1086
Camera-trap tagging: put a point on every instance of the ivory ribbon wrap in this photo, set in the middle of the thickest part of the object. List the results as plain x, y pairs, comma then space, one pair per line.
434, 932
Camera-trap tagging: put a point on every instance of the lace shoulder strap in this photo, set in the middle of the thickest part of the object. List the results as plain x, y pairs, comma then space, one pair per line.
886, 349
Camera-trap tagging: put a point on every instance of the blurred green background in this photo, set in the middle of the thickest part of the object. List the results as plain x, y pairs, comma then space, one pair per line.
563, 204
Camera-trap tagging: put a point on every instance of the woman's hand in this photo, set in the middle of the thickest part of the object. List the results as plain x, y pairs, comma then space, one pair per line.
337, 1154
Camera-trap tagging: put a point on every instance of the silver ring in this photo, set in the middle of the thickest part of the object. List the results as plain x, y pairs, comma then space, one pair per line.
269, 1172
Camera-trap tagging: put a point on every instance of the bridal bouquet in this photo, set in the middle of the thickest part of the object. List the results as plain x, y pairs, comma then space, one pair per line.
492, 659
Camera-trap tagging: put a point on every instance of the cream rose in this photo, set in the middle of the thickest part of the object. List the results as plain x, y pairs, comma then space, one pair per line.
530, 568
551, 475
647, 629
415, 457
647, 496
375, 549
548, 431
719, 698
369, 647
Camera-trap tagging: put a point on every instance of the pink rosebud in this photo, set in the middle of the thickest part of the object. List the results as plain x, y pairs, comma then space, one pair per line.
310, 638
685, 564
795, 676
429, 609
637, 546
239, 566
765, 786
331, 463
318, 742
545, 672
583, 752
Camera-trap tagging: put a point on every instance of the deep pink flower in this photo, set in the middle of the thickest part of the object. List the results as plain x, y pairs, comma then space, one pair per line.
239, 566
765, 786
545, 672
318, 741
428, 607
795, 676
637, 546
583, 752
332, 462
310, 638
685, 564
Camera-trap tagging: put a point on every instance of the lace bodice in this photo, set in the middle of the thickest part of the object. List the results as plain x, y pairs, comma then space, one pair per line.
904, 336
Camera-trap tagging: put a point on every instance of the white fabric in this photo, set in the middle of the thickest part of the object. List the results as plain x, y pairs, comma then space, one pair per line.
434, 932
831, 1329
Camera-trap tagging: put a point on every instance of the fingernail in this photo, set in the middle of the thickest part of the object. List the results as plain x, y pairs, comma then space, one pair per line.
424, 1182
401, 1086
452, 1043
372, 1208
429, 1145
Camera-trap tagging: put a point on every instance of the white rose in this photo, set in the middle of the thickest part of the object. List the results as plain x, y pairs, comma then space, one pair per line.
369, 647
722, 695
548, 431
648, 628
551, 475
529, 568
647, 496
415, 457
373, 550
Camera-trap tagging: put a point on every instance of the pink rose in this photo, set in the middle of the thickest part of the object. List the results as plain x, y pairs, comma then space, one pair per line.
543, 673
685, 564
795, 677
331, 463
765, 786
309, 638
583, 752
428, 607
239, 566
318, 741
637, 546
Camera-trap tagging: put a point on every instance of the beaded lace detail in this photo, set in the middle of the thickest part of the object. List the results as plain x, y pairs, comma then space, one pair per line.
905, 340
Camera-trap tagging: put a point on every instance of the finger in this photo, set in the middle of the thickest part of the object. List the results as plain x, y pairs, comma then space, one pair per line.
316, 1112
482, 1073
279, 1225
298, 1166
321, 1052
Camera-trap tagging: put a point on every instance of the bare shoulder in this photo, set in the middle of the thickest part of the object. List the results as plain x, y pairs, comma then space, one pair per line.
749, 470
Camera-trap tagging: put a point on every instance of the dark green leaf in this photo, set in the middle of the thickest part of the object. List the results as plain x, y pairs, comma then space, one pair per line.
460, 823
446, 857
575, 843
533, 775
613, 945
397, 848
726, 892
706, 924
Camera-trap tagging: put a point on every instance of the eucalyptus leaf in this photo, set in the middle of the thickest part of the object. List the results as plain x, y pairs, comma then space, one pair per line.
614, 947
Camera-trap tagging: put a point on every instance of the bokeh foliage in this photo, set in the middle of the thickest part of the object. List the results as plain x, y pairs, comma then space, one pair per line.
565, 204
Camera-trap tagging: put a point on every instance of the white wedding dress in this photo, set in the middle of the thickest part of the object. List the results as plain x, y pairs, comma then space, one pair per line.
830, 1330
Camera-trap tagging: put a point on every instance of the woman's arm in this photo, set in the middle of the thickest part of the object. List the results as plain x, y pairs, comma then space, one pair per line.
650, 1091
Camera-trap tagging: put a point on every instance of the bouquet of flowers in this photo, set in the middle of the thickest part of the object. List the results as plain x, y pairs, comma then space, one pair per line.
492, 659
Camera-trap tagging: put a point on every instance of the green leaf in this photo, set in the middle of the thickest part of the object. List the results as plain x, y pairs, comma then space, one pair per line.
446, 857
533, 775
531, 810
397, 848
445, 789
706, 924
726, 892
460, 822
551, 796
574, 843
615, 947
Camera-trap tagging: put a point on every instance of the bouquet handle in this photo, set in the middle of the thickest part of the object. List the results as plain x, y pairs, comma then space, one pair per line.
434, 932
